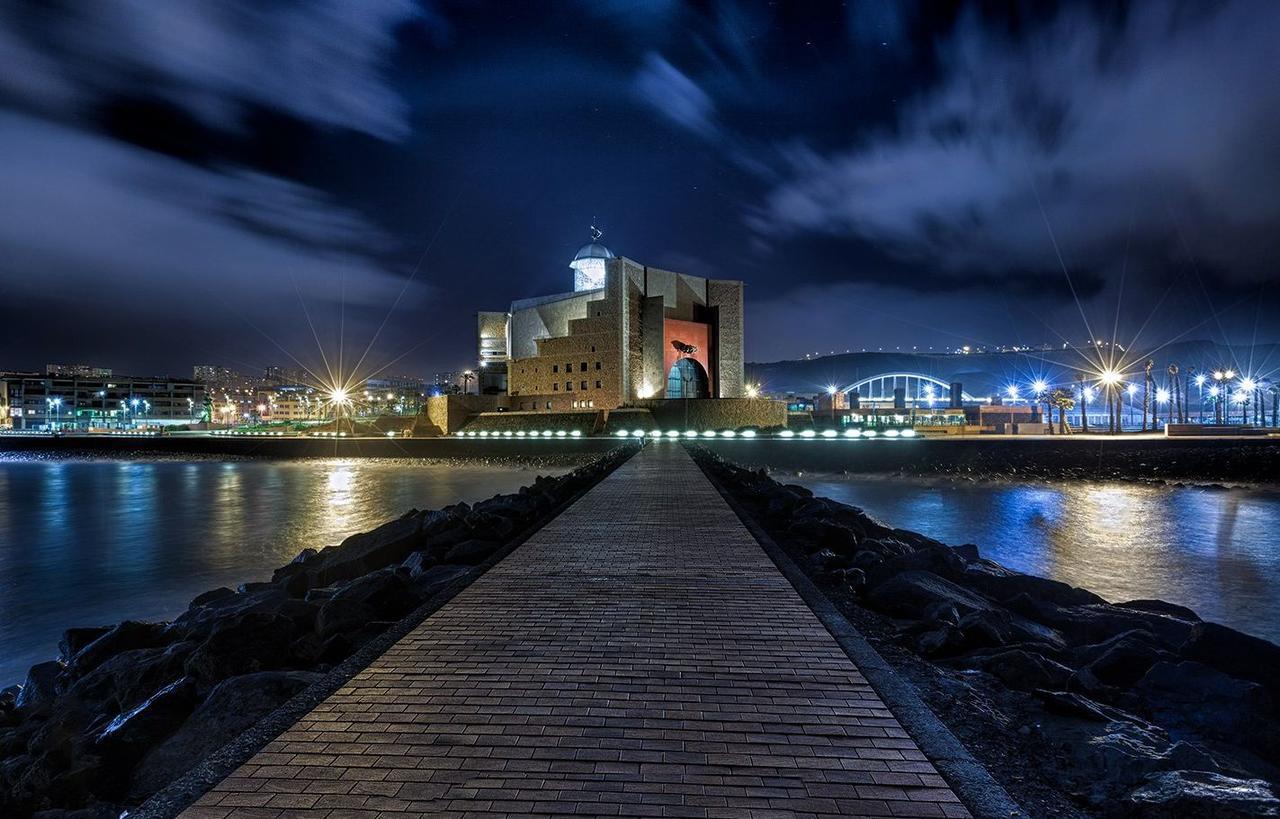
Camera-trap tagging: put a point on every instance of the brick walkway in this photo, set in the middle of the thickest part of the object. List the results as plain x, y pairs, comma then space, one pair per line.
638, 656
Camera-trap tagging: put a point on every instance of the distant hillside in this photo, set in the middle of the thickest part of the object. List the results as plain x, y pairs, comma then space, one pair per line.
988, 373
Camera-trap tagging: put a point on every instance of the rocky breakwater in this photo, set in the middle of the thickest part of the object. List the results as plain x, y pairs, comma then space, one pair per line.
127, 709
1078, 706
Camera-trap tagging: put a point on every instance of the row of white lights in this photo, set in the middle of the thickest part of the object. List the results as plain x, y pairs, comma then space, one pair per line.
249, 433
520, 433
40, 432
750, 433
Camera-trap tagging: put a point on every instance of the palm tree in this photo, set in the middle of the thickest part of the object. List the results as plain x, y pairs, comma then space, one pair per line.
1146, 391
1063, 400
1084, 404
1177, 392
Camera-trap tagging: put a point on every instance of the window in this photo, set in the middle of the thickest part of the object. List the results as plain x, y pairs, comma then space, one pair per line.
584, 385
593, 348
591, 403
555, 368
568, 367
597, 384
582, 368
548, 405
555, 387
568, 386
597, 365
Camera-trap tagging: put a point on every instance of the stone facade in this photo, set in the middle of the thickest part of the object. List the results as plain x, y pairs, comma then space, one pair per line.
605, 348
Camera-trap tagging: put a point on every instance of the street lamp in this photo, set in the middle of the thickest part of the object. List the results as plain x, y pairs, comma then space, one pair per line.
831, 397
56, 404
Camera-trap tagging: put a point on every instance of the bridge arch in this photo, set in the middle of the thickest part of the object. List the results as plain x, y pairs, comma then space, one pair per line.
920, 388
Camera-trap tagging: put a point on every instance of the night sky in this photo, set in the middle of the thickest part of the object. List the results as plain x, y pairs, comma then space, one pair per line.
193, 182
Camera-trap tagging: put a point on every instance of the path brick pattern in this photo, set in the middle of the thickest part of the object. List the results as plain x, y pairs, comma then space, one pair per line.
639, 656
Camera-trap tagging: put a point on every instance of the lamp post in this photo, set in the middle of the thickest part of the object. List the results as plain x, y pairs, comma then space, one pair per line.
56, 405
831, 397
1200, 379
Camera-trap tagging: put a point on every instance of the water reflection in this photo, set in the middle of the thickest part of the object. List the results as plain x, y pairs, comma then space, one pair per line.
94, 542
1211, 550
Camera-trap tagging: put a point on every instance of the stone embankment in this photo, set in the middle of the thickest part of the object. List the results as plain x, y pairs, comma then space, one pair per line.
129, 708
1079, 706
1039, 459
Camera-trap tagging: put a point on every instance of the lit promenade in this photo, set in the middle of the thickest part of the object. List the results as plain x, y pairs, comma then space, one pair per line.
639, 656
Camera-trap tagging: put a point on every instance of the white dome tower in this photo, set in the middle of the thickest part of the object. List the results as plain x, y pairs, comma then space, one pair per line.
589, 263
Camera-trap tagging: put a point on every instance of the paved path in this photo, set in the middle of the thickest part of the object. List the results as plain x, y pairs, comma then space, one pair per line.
639, 656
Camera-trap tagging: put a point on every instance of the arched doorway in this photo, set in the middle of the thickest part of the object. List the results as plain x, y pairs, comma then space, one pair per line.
687, 379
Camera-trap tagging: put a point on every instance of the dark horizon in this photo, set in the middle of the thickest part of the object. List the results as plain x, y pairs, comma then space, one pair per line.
225, 184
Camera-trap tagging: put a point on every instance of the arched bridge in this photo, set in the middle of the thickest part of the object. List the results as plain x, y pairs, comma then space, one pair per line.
920, 388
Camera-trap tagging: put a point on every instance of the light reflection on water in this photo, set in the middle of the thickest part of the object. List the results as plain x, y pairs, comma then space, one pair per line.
1214, 551
92, 542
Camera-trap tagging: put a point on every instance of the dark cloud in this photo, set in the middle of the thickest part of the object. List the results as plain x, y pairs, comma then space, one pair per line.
1155, 129
874, 171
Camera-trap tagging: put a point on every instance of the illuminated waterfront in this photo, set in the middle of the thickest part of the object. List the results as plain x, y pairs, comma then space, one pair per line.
94, 542
1212, 550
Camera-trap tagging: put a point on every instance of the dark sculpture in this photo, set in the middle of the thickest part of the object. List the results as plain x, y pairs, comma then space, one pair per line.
686, 349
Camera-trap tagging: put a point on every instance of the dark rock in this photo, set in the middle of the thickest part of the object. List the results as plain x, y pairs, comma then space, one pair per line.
98, 810
1124, 754
312, 649
1071, 704
827, 561
941, 561
867, 560
1235, 653
130, 677
1201, 795
1161, 607
130, 734
211, 596
123, 637
198, 623
386, 592
438, 577
9, 696
231, 708
798, 491
359, 554
471, 552
941, 641
1123, 660
489, 526
342, 616
999, 583
1023, 671
255, 641
74, 639
942, 611
968, 551
250, 588
1195, 696
40, 689
907, 594
1096, 622
417, 563
853, 579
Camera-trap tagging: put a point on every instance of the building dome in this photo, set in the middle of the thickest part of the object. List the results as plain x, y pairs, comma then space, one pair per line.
593, 250
589, 265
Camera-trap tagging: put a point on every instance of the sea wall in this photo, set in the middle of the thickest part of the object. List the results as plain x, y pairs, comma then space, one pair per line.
1253, 461
126, 709
1076, 705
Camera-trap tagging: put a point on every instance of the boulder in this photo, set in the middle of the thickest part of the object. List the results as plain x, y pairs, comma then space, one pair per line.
939, 642
74, 639
130, 677
199, 622
999, 583
1023, 670
417, 563
1096, 622
359, 554
123, 637
1192, 696
232, 707
1235, 653
1161, 607
1201, 795
909, 593
342, 616
1123, 660
254, 641
1122, 755
471, 552
40, 689
490, 526
438, 577
386, 592
211, 596
130, 734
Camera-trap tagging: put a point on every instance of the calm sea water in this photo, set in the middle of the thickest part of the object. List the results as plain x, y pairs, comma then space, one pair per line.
94, 542
1215, 551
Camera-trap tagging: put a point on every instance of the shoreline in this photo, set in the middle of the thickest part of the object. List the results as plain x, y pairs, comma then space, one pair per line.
1137, 708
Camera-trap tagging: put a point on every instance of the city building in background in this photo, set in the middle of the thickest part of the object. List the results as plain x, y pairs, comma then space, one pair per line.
35, 401
626, 333
76, 370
